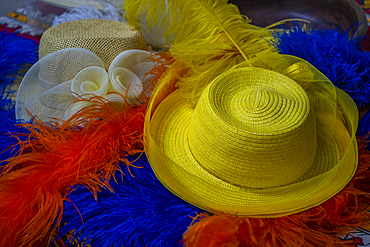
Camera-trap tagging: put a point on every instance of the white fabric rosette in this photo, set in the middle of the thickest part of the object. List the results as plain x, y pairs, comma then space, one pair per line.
50, 87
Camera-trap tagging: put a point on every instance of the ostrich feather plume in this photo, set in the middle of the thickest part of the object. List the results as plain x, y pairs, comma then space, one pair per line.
208, 37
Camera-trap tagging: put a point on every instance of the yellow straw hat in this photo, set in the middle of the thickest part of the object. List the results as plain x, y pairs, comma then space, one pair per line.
257, 143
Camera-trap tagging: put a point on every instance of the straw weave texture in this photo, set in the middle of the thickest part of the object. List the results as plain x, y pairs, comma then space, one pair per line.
105, 38
260, 123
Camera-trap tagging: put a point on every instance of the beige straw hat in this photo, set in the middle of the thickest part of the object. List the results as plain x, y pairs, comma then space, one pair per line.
105, 38
91, 56
256, 144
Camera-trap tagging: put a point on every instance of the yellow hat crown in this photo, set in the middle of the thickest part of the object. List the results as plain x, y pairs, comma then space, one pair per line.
254, 130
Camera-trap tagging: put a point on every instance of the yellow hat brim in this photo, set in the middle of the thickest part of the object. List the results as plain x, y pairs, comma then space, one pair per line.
173, 163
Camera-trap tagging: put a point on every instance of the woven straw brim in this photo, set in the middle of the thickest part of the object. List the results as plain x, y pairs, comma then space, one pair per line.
105, 38
175, 165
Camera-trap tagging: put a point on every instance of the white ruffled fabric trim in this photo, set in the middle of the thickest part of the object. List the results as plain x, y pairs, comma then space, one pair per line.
50, 87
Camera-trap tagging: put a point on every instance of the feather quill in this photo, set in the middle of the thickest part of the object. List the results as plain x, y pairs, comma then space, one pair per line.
207, 36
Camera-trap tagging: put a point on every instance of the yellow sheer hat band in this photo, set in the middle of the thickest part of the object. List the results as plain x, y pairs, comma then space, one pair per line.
256, 144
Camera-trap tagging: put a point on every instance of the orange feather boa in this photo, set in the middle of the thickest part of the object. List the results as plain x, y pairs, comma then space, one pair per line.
54, 159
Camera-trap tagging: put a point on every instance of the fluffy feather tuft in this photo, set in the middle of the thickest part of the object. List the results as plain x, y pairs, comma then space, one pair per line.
207, 36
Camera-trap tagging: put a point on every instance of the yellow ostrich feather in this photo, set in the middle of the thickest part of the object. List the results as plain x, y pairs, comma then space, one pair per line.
207, 36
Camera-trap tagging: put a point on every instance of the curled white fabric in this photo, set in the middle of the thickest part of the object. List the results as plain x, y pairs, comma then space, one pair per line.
51, 86
90, 80
139, 63
125, 82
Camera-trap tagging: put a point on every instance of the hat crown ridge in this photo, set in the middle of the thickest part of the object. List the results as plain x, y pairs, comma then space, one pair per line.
257, 99
254, 131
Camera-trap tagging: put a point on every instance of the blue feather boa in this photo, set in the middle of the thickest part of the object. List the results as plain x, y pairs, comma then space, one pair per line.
16, 54
140, 212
